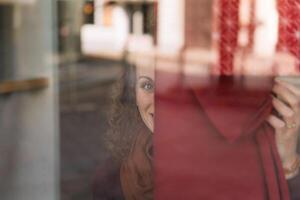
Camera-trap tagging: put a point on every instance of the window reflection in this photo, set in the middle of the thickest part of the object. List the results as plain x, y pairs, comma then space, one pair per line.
157, 98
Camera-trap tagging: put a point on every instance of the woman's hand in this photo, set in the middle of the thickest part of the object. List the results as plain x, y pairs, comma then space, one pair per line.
287, 124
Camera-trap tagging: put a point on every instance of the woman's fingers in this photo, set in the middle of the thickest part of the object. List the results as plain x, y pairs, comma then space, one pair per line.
292, 88
287, 120
287, 96
283, 134
286, 125
276, 122
282, 108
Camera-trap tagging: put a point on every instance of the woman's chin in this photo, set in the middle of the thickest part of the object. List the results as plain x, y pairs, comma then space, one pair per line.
149, 122
150, 126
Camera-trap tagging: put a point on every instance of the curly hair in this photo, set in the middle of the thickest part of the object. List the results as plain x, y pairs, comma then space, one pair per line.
124, 120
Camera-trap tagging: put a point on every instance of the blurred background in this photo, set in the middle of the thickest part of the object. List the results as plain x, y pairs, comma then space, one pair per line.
60, 58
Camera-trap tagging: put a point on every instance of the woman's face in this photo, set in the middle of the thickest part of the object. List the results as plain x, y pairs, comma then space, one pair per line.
145, 95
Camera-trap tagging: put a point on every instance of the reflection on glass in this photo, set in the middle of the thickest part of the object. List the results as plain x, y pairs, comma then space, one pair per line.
218, 79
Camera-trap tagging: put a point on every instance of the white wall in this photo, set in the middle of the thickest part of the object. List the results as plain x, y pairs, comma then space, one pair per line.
170, 25
98, 12
266, 34
98, 40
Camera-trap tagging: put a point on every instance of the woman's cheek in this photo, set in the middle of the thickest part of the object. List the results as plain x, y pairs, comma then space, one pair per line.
144, 101
140, 98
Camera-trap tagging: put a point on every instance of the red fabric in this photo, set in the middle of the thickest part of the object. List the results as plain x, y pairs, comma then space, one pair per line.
252, 25
289, 27
211, 140
229, 28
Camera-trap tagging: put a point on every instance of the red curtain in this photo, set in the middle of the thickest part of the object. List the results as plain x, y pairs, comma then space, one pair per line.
229, 28
289, 27
252, 25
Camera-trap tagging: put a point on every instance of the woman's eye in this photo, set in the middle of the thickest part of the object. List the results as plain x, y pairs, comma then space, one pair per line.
148, 87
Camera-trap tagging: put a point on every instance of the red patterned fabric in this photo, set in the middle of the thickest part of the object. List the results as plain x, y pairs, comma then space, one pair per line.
229, 28
252, 25
289, 27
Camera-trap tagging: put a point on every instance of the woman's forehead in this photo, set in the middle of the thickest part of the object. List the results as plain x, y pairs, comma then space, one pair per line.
145, 71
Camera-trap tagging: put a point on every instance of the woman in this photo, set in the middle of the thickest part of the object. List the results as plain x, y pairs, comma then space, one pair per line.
128, 174
132, 125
